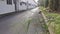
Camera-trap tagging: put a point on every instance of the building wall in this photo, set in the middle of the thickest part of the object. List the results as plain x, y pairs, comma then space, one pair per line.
21, 7
25, 7
2, 2
5, 8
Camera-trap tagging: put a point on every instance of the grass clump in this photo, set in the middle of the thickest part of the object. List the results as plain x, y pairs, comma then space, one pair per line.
53, 20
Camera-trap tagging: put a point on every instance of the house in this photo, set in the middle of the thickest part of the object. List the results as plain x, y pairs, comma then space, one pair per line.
6, 6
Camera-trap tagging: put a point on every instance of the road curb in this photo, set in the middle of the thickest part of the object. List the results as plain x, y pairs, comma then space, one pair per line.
46, 21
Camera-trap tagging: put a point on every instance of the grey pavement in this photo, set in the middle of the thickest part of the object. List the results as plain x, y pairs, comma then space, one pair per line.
15, 24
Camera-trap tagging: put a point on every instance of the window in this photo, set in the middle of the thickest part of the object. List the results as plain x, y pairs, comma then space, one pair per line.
9, 2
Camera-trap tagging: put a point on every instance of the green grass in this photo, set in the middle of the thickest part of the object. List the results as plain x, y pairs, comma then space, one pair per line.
44, 26
53, 19
26, 24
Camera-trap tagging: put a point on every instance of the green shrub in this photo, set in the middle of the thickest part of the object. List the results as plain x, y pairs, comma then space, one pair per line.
53, 18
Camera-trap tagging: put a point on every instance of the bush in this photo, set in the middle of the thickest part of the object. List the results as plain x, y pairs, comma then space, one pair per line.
53, 20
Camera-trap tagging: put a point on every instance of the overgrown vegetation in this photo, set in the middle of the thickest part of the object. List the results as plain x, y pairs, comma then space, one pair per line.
51, 9
54, 5
53, 20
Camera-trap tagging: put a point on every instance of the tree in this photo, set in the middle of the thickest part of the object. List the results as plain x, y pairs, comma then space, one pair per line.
41, 2
46, 3
54, 4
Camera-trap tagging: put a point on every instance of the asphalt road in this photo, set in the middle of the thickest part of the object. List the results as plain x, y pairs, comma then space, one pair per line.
15, 24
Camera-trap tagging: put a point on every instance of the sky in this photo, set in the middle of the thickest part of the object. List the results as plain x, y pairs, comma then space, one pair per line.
36, 0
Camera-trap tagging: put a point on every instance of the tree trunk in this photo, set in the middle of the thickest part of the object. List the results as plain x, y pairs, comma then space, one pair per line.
54, 4
46, 3
59, 6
